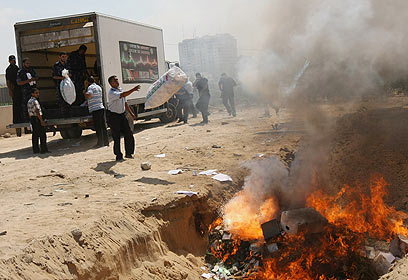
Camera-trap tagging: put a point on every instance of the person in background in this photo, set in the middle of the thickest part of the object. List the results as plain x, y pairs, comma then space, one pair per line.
117, 121
201, 84
96, 108
76, 64
14, 91
226, 85
37, 123
58, 78
184, 104
27, 80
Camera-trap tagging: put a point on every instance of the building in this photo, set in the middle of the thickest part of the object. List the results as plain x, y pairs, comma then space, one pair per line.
210, 55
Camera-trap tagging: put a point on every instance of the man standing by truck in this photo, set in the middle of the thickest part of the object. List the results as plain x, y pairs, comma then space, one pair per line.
58, 78
96, 108
14, 91
76, 65
118, 123
27, 80
37, 123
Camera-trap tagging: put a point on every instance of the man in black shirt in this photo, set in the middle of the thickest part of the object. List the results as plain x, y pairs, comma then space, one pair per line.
14, 91
201, 84
76, 65
226, 85
58, 78
27, 80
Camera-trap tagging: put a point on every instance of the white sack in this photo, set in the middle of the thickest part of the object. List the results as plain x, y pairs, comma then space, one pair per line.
67, 88
165, 87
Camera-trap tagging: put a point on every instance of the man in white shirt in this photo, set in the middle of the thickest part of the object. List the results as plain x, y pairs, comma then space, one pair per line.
118, 123
96, 108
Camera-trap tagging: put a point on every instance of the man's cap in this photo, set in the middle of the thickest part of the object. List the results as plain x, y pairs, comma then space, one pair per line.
12, 57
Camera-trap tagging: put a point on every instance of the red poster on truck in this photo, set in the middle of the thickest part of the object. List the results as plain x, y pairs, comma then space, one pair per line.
138, 62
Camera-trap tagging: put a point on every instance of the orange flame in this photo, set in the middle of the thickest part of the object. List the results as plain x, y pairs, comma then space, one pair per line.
243, 220
360, 212
354, 213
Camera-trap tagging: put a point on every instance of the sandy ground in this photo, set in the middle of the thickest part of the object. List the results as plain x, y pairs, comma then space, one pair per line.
124, 214
78, 214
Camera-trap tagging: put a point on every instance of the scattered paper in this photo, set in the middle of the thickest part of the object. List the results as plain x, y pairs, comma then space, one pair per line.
207, 275
203, 268
209, 172
258, 155
60, 190
188, 193
160, 156
194, 173
175, 172
222, 177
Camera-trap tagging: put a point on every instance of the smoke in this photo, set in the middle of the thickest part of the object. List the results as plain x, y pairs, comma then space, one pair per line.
354, 48
313, 51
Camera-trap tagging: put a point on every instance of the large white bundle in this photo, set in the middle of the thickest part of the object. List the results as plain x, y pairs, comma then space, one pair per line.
67, 88
165, 87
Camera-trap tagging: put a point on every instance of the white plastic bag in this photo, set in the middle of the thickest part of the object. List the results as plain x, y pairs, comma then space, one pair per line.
165, 87
67, 88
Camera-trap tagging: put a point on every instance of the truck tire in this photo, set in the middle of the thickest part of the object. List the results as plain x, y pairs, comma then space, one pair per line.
64, 134
170, 115
75, 132
71, 132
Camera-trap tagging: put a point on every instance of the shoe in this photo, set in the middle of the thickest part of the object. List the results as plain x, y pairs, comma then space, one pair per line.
179, 120
185, 122
129, 156
119, 158
234, 115
97, 146
204, 122
36, 152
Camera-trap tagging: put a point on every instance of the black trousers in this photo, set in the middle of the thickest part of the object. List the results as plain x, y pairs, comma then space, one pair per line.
17, 110
79, 83
229, 98
25, 96
119, 125
100, 127
202, 106
183, 108
38, 133
64, 107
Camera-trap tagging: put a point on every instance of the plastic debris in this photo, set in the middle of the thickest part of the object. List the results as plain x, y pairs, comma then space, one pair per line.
222, 177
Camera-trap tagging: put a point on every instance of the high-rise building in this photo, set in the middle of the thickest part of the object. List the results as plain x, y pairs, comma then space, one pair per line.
210, 55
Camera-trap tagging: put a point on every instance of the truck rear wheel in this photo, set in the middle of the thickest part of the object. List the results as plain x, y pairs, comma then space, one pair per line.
71, 132
64, 134
170, 115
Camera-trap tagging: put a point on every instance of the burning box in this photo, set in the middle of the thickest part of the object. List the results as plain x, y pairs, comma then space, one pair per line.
302, 220
271, 229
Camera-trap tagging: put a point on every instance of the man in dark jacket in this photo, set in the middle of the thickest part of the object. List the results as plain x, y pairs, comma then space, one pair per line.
58, 78
14, 91
226, 85
201, 84
76, 65
27, 80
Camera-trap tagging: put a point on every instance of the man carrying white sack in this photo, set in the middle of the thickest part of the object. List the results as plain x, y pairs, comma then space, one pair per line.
117, 121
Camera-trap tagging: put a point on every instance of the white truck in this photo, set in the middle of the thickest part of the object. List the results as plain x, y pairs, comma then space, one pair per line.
132, 51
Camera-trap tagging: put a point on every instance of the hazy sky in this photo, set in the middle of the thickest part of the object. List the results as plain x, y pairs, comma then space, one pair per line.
179, 19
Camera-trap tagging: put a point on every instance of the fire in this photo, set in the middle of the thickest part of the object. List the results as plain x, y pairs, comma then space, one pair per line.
361, 211
243, 220
355, 214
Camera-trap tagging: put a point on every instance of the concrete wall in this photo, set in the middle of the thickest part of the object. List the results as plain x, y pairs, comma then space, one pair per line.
6, 117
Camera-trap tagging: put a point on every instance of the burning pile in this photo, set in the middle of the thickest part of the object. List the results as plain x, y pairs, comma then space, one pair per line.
351, 235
